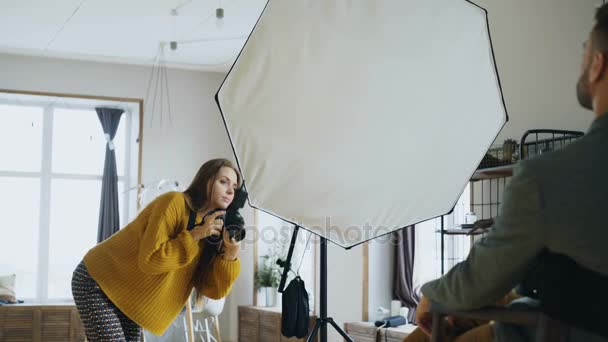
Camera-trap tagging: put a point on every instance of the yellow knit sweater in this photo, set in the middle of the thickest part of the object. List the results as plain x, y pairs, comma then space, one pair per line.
146, 268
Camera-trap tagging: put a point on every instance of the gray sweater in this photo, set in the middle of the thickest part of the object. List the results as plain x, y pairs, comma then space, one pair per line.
557, 201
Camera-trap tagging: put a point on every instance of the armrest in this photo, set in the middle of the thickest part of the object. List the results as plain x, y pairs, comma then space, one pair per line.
505, 315
513, 316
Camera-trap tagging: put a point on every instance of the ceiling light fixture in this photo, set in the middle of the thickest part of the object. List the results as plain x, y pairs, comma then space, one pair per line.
219, 17
173, 43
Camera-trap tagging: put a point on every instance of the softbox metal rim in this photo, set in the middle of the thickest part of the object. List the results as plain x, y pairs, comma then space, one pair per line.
347, 247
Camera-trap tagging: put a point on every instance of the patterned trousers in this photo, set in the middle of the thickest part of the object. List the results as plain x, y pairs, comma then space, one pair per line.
102, 320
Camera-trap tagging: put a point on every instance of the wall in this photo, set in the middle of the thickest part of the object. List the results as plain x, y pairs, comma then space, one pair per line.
344, 286
381, 265
538, 47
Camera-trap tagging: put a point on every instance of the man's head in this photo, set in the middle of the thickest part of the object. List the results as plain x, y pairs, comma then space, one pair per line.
595, 62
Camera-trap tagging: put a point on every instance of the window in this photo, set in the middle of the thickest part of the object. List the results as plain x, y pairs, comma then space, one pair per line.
276, 233
21, 126
20, 212
483, 197
53, 151
427, 259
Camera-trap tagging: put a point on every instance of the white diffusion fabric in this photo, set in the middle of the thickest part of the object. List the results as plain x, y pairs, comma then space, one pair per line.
357, 118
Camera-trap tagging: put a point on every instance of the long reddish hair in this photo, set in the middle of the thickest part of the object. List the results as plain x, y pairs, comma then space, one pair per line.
199, 193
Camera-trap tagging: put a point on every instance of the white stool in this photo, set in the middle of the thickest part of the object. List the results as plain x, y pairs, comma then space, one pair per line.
210, 310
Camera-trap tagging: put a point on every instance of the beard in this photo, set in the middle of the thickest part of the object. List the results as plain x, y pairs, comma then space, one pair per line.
583, 93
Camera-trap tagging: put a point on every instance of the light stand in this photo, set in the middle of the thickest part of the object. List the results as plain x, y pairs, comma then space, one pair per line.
322, 320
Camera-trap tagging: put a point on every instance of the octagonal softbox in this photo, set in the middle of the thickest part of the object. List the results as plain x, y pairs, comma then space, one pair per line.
354, 118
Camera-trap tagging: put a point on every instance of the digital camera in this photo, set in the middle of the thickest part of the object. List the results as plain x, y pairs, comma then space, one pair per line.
233, 221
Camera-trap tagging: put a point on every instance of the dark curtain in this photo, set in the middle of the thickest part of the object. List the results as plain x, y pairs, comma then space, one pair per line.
403, 285
109, 216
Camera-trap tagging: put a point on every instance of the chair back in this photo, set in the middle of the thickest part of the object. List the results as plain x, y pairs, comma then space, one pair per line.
209, 307
573, 294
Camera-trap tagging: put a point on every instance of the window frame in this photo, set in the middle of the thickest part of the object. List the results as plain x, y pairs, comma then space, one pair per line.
49, 102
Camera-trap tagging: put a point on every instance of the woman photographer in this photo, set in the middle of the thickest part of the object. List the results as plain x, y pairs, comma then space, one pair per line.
143, 275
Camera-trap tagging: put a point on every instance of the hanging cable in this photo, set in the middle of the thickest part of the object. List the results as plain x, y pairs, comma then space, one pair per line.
168, 96
157, 92
154, 72
303, 254
65, 23
182, 5
160, 82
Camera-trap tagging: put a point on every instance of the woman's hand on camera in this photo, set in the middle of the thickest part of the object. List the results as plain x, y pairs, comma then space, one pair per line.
231, 247
211, 227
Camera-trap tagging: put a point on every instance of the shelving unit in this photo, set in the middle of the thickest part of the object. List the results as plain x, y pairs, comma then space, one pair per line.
464, 231
487, 184
485, 189
494, 172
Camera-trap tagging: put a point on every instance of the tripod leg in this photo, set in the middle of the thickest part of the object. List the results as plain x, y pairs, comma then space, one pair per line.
339, 330
314, 330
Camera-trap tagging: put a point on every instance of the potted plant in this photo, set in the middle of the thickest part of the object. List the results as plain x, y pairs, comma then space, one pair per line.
268, 276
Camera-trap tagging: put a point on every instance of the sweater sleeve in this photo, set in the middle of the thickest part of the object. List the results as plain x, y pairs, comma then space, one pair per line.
503, 257
159, 250
221, 278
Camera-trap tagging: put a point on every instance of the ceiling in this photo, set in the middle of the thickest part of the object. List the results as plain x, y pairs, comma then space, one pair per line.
129, 31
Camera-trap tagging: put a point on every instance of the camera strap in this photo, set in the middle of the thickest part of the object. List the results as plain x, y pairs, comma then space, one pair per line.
191, 220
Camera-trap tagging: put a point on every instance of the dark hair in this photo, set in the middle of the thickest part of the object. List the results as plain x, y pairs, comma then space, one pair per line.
199, 194
600, 29
197, 191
